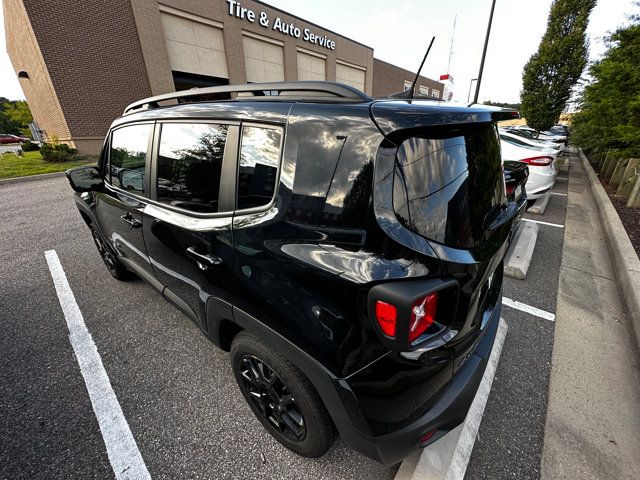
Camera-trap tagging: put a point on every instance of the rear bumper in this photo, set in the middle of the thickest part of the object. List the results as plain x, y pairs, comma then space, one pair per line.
446, 413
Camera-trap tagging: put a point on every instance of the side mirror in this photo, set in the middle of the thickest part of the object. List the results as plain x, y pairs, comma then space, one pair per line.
85, 179
131, 180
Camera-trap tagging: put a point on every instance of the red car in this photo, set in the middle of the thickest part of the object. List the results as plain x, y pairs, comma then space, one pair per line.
8, 138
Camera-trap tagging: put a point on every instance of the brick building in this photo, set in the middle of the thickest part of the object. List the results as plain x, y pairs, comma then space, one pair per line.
80, 63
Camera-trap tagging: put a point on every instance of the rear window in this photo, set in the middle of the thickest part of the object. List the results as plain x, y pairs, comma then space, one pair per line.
519, 143
449, 187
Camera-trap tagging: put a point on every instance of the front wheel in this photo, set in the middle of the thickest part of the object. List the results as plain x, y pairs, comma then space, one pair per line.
116, 269
281, 397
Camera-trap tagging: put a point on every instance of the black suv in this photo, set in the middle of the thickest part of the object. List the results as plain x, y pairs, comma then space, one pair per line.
347, 251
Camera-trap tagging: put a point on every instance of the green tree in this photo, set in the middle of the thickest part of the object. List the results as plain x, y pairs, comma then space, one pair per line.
15, 116
552, 72
609, 116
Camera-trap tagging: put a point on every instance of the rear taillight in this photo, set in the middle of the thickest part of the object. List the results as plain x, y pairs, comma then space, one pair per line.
511, 187
386, 315
423, 314
538, 161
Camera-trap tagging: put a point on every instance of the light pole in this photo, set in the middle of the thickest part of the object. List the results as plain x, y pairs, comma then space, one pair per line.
484, 52
470, 83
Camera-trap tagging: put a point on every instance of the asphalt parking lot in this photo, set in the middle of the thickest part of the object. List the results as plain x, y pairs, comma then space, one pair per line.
177, 391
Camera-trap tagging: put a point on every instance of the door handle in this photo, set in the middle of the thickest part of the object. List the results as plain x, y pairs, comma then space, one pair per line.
133, 223
204, 261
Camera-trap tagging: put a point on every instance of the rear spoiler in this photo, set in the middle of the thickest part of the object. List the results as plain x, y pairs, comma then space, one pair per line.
393, 115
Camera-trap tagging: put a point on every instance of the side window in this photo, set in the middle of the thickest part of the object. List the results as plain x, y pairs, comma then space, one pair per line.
128, 157
190, 165
259, 159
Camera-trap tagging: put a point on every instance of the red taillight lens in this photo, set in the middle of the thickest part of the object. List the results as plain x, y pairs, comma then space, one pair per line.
538, 161
511, 187
426, 437
386, 315
423, 314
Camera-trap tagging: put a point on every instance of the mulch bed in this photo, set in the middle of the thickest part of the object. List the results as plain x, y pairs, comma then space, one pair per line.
630, 216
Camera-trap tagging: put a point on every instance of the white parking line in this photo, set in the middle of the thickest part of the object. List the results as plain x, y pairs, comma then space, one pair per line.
523, 307
543, 223
471, 425
122, 450
558, 193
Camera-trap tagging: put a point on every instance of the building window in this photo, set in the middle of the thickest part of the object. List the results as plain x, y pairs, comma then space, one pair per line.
424, 91
435, 93
407, 85
311, 66
259, 160
128, 156
263, 59
190, 165
351, 75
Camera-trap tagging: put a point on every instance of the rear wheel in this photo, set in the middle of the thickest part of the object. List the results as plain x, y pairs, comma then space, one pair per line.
116, 269
281, 397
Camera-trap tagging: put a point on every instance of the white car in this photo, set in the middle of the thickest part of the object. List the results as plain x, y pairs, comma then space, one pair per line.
543, 169
525, 139
540, 135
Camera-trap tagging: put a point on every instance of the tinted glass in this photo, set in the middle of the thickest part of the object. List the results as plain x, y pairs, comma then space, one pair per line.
520, 143
190, 165
259, 158
128, 155
449, 188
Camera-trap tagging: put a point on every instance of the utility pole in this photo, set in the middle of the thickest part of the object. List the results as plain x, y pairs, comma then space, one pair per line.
484, 52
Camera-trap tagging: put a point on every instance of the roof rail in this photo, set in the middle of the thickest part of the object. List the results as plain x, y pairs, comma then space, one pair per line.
333, 89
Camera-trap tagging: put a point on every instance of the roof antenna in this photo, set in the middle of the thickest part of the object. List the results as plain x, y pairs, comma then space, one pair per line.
409, 93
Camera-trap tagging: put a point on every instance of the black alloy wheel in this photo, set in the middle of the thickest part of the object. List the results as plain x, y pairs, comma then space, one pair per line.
116, 269
272, 398
281, 397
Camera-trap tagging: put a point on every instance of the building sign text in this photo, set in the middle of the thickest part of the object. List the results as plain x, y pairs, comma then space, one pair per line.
236, 10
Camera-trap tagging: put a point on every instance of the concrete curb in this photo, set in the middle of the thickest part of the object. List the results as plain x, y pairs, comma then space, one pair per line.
30, 178
626, 263
540, 205
518, 258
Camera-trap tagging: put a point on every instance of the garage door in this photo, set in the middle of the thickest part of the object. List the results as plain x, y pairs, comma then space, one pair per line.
194, 46
351, 75
263, 60
311, 67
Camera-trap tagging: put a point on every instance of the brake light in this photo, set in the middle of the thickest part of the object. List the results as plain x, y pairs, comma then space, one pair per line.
538, 161
511, 187
423, 314
386, 315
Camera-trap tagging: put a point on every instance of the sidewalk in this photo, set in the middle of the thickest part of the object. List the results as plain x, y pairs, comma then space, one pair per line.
593, 418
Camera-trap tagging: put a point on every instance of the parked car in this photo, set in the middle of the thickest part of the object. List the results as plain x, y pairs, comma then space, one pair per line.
559, 129
6, 138
525, 138
540, 135
347, 252
542, 165
515, 178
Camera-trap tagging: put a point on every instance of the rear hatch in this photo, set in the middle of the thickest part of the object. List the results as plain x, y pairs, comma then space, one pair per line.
449, 188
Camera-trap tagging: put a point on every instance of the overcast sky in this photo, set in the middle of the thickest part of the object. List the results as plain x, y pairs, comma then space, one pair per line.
400, 31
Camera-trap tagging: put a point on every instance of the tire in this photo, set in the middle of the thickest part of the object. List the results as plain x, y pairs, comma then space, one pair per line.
299, 420
116, 269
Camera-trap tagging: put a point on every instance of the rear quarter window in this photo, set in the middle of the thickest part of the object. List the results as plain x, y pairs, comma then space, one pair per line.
258, 169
